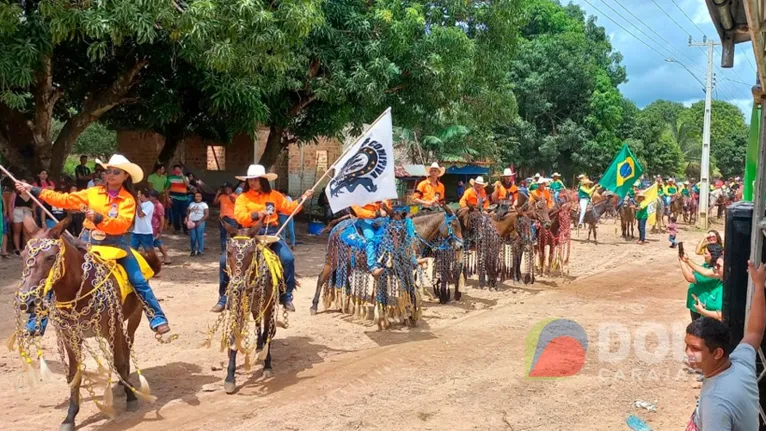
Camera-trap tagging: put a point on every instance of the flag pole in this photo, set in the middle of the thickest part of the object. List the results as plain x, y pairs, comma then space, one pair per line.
48, 213
302, 201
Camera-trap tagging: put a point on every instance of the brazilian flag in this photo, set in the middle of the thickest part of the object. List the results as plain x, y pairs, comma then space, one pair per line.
622, 173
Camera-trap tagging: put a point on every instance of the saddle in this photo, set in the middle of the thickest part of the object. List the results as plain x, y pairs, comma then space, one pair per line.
108, 255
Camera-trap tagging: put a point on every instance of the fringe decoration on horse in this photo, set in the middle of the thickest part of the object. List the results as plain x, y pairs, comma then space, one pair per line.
392, 296
73, 324
487, 245
446, 267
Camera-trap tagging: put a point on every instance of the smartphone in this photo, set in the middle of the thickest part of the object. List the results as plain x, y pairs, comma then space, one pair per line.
680, 249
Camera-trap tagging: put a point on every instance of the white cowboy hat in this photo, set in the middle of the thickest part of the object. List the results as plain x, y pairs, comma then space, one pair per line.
671, 180
637, 183
556, 174
581, 176
508, 172
121, 162
478, 181
587, 180
537, 175
257, 171
435, 165
542, 181
738, 179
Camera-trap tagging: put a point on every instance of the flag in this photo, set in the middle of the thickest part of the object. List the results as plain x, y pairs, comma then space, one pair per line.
365, 173
650, 202
622, 173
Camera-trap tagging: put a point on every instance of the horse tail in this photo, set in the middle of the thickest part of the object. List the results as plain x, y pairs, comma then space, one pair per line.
153, 260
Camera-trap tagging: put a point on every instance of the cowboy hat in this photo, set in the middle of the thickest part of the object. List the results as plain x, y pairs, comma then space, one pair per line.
508, 172
581, 176
257, 171
671, 180
637, 183
537, 175
542, 181
587, 180
640, 194
479, 181
121, 162
435, 165
556, 174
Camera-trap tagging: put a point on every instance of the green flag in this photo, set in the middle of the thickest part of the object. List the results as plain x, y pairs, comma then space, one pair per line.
622, 173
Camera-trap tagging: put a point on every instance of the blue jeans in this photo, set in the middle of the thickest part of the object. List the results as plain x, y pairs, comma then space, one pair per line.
223, 279
178, 213
197, 237
224, 235
370, 229
288, 234
145, 240
50, 223
642, 230
136, 278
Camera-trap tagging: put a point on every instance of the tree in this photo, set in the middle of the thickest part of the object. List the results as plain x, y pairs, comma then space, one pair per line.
76, 61
728, 135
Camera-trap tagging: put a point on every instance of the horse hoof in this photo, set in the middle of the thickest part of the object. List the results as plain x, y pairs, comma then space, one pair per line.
132, 406
458, 295
229, 387
66, 427
313, 311
268, 373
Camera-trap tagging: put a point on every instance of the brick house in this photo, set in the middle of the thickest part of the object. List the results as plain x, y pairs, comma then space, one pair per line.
214, 163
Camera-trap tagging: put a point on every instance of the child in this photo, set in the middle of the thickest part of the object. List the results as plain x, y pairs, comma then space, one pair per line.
158, 224
142, 226
196, 215
672, 232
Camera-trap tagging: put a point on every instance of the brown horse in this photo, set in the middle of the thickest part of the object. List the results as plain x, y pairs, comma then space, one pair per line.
255, 283
676, 206
594, 212
555, 238
627, 220
85, 303
441, 237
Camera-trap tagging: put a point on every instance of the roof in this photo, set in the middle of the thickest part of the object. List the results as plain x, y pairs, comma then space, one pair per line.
467, 170
404, 171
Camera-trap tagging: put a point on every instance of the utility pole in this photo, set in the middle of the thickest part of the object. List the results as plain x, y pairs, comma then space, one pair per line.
704, 183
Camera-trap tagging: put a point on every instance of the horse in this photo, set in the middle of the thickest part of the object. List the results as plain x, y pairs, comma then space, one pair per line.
593, 215
344, 279
690, 209
255, 283
676, 206
440, 236
659, 211
554, 238
85, 302
627, 221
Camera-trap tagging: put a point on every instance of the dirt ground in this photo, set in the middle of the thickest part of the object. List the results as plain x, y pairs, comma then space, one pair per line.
464, 367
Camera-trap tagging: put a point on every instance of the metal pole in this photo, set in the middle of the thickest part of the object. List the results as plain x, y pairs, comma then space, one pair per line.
759, 207
705, 162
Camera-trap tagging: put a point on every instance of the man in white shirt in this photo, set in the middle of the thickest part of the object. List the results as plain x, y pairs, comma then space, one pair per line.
143, 235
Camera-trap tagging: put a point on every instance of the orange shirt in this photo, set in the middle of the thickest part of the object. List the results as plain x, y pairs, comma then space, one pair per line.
471, 197
367, 211
503, 192
118, 212
542, 194
428, 192
227, 206
252, 201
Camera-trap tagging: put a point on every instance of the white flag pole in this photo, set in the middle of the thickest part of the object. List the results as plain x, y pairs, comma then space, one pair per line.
300, 204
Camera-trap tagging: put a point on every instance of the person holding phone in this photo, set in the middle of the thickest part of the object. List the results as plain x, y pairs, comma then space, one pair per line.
705, 294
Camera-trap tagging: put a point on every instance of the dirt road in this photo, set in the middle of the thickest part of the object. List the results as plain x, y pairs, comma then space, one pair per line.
464, 367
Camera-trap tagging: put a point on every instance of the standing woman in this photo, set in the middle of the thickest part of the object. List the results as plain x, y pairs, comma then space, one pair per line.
110, 211
258, 202
43, 182
21, 206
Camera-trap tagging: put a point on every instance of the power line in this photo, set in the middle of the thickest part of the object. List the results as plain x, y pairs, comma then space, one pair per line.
637, 38
681, 53
687, 17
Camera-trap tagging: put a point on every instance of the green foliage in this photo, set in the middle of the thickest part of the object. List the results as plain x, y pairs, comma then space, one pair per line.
96, 140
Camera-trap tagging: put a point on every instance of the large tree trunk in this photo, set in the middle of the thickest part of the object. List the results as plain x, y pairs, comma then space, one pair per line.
25, 138
174, 135
274, 146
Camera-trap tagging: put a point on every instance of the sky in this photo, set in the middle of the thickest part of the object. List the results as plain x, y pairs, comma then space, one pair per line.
650, 76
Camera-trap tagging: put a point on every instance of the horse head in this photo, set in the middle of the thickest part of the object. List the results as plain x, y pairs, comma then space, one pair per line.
540, 210
240, 252
43, 252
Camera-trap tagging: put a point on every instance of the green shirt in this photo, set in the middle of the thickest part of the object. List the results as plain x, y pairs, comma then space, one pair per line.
533, 187
584, 193
671, 190
685, 192
158, 182
642, 213
557, 185
632, 193
709, 291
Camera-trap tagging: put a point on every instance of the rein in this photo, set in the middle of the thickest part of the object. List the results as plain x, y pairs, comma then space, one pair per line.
444, 243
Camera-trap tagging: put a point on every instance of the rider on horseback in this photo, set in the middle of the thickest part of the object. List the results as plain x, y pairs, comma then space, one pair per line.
430, 192
476, 196
259, 203
110, 210
541, 193
506, 190
584, 193
370, 222
557, 185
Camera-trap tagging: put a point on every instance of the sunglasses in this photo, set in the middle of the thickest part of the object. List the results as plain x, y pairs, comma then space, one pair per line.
113, 171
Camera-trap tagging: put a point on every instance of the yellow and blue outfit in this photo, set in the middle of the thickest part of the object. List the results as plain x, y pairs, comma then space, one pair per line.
114, 215
584, 193
370, 222
246, 209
